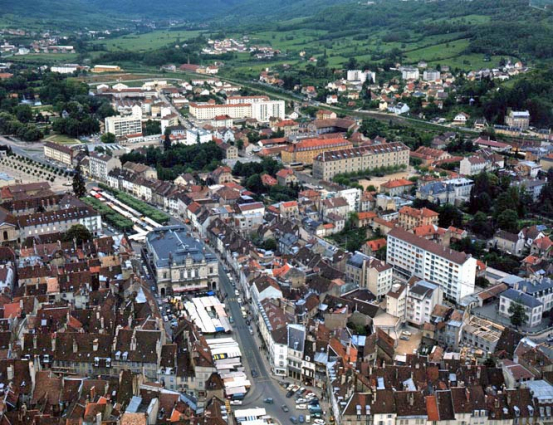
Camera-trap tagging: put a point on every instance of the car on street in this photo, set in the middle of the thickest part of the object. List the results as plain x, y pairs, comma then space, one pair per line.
268, 400
239, 300
302, 406
293, 419
236, 292
289, 394
404, 338
301, 419
285, 408
407, 333
165, 319
254, 373
284, 384
250, 329
301, 401
319, 421
231, 319
314, 402
236, 402
550, 339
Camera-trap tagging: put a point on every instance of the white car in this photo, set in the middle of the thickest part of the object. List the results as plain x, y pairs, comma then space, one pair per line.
301, 406
236, 402
301, 401
319, 421
236, 292
407, 333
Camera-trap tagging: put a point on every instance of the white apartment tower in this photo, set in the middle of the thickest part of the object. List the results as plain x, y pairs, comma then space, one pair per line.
411, 255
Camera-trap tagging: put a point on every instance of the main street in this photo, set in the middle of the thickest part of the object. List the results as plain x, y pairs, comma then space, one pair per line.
264, 385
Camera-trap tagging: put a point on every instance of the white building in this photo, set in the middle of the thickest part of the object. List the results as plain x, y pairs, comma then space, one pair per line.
408, 73
101, 164
422, 297
361, 76
273, 328
125, 125
396, 301
195, 135
263, 111
431, 75
65, 69
410, 255
532, 306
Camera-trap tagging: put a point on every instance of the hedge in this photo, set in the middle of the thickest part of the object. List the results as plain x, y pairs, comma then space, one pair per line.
112, 217
140, 206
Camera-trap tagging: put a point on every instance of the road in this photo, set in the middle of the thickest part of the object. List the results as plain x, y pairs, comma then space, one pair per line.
181, 119
264, 385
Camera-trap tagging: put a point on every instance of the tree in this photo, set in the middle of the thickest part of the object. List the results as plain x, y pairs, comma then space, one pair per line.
152, 128
79, 185
518, 314
24, 113
167, 142
508, 220
78, 233
240, 144
108, 138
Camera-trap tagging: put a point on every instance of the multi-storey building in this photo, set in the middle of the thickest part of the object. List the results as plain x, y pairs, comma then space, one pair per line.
258, 107
518, 119
60, 220
328, 164
410, 255
409, 217
180, 262
59, 153
125, 125
101, 164
423, 296
370, 273
306, 150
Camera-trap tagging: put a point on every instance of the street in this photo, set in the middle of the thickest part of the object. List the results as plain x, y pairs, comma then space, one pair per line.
264, 385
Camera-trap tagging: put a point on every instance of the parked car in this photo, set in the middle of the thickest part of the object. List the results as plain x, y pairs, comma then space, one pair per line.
407, 333
314, 402
250, 329
231, 319
301, 419
236, 402
301, 401
289, 394
302, 406
254, 373
319, 421
239, 300
285, 408
284, 384
268, 400
293, 419
404, 338
165, 319
236, 292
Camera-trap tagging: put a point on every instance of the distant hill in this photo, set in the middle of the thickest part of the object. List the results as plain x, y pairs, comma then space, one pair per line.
89, 11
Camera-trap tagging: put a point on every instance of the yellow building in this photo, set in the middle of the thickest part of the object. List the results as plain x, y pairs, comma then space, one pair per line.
305, 150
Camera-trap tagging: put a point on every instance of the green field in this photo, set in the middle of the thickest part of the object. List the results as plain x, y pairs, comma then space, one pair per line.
149, 41
46, 58
62, 140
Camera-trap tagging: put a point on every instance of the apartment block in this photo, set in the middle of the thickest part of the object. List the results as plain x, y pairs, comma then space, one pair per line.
410, 255
409, 217
370, 273
306, 150
101, 164
125, 125
423, 296
260, 108
328, 164
59, 153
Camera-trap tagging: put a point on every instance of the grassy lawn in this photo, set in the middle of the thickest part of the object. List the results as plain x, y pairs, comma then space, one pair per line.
438, 51
48, 58
149, 41
62, 139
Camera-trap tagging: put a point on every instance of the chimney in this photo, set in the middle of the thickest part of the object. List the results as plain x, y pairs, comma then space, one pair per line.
95, 344
411, 399
54, 343
496, 403
102, 322
35, 342
10, 373
75, 348
478, 373
467, 393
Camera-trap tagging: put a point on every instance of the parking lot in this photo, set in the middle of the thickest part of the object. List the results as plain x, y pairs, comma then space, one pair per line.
407, 344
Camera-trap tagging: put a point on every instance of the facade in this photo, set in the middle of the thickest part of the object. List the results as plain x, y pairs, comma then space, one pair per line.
326, 165
396, 301
370, 273
518, 119
179, 261
422, 297
410, 255
306, 150
532, 306
101, 164
59, 221
409, 217
431, 75
59, 153
240, 107
125, 125
197, 135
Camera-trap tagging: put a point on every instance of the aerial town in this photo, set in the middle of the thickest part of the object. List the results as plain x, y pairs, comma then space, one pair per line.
299, 244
